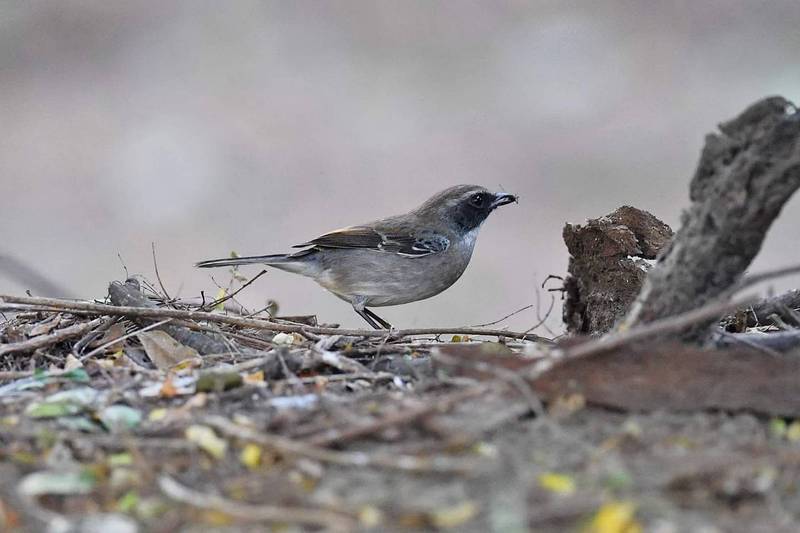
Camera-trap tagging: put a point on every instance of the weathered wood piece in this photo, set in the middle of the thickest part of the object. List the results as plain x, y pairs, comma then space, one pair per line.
607, 266
747, 172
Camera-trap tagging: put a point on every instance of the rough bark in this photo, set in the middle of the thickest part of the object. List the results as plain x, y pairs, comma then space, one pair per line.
747, 172
607, 266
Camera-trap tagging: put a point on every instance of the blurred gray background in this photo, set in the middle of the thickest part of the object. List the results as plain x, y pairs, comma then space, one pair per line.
207, 127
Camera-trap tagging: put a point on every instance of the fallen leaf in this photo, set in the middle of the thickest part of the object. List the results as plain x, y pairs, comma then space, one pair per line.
113, 333
557, 483
128, 502
216, 381
72, 362
120, 459
168, 390
256, 378
250, 456
77, 423
793, 431
454, 516
64, 403
157, 414
119, 418
46, 326
220, 295
615, 517
370, 516
56, 482
777, 427
207, 440
164, 351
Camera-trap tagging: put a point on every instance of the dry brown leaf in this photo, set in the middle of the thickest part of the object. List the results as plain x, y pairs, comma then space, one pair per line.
164, 351
45, 327
114, 332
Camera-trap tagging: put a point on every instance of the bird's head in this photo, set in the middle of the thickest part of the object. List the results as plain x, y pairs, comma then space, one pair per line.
464, 207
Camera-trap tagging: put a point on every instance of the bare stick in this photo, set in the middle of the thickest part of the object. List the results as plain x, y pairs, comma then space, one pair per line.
407, 416
293, 448
521, 309
309, 516
158, 276
646, 331
57, 336
143, 312
212, 305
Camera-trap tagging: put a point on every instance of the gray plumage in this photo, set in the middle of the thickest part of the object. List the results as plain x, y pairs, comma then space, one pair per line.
394, 260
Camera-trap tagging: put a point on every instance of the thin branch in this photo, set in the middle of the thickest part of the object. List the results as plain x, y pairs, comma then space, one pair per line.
212, 305
158, 276
617, 340
404, 417
293, 448
308, 516
542, 320
142, 312
521, 309
55, 337
753, 279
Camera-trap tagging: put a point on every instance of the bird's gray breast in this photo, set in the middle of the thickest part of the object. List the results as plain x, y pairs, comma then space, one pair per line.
381, 278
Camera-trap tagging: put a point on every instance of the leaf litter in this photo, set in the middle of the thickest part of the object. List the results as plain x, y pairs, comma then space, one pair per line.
200, 423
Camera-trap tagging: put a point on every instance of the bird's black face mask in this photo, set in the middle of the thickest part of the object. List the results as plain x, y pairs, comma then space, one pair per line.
474, 209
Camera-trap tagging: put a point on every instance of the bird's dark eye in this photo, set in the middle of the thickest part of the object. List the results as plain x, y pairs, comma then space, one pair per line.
477, 199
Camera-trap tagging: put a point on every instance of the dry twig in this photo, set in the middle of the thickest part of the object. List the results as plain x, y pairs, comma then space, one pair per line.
55, 304
57, 336
337, 520
293, 448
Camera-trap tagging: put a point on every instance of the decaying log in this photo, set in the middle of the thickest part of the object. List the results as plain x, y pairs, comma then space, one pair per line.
746, 174
607, 266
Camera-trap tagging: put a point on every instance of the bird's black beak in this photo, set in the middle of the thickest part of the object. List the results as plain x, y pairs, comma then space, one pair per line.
503, 199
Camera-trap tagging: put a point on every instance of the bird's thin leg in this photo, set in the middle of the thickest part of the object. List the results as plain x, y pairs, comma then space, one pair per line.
377, 319
366, 317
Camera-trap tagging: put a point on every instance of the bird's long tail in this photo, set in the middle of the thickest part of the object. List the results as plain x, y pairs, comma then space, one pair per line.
262, 259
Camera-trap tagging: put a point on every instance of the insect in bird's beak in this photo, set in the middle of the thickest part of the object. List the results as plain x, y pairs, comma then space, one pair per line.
503, 199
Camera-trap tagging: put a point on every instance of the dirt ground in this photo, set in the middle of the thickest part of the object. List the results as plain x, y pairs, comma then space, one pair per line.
112, 429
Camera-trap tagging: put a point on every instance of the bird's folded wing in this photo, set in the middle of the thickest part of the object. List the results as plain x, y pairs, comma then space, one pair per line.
402, 243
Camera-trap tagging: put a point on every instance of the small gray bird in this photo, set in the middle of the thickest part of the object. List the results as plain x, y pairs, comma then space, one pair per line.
394, 260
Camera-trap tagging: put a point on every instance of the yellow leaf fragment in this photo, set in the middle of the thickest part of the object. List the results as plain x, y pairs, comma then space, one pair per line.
157, 414
250, 456
557, 483
454, 516
793, 431
256, 378
221, 293
615, 517
213, 517
370, 516
207, 440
